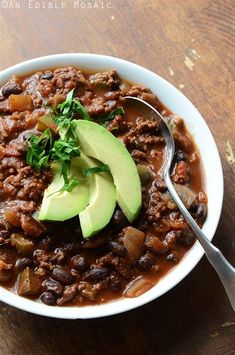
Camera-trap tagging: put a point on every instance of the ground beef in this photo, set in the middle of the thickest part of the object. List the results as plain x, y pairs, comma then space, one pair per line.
10, 165
108, 78
96, 107
136, 91
117, 125
27, 184
10, 128
143, 136
138, 155
182, 173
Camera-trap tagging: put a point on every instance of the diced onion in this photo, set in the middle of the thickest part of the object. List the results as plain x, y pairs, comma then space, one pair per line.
136, 287
186, 194
20, 103
133, 242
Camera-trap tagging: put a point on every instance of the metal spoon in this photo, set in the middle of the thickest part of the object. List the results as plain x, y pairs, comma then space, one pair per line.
224, 269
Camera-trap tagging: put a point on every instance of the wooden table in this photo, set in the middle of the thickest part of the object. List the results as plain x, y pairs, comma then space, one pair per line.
190, 44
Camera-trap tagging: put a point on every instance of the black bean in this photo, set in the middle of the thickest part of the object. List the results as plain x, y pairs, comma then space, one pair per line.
186, 237
96, 274
146, 261
48, 298
11, 88
119, 220
71, 248
22, 263
53, 286
47, 76
194, 206
62, 276
79, 262
95, 242
116, 248
201, 211
58, 256
180, 155
172, 257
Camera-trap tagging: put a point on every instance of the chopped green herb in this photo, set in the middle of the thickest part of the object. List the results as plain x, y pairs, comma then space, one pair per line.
66, 106
69, 185
94, 170
115, 128
105, 124
66, 112
71, 106
78, 107
111, 115
64, 150
43, 150
38, 150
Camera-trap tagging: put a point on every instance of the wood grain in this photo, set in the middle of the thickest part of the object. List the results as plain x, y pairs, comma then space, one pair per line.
190, 43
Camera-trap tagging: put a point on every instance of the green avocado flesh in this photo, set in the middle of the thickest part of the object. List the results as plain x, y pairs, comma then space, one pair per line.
60, 206
102, 201
96, 142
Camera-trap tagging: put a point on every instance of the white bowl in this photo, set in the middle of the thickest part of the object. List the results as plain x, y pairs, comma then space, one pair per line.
179, 104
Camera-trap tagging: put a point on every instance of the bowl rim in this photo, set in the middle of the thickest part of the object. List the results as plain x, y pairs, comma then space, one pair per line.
121, 305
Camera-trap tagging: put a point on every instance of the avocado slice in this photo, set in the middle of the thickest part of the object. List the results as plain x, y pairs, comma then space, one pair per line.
102, 200
60, 206
95, 141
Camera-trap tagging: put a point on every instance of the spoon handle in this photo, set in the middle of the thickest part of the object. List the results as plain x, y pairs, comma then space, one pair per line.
224, 269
